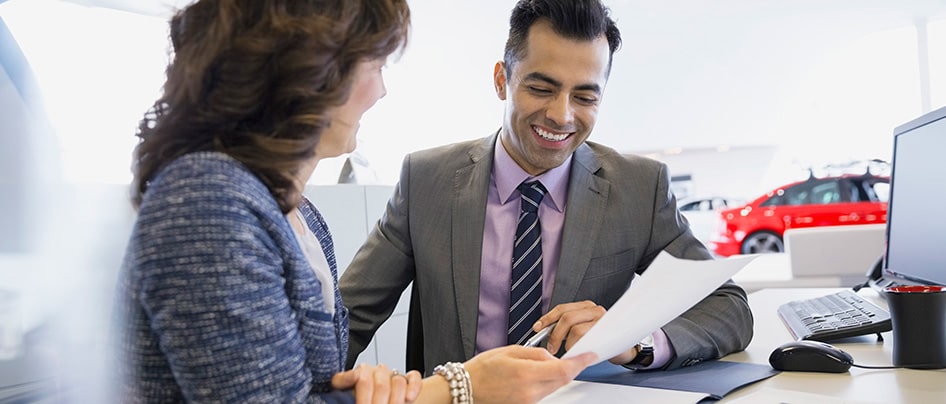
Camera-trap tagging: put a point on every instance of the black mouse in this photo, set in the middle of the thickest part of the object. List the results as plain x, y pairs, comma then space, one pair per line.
810, 356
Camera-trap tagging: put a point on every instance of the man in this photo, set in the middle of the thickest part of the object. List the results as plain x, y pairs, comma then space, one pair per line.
451, 225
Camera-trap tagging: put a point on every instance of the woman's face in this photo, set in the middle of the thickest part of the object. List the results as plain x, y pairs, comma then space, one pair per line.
367, 89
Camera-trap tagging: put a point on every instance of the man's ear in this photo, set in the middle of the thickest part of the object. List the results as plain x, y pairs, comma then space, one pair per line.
499, 79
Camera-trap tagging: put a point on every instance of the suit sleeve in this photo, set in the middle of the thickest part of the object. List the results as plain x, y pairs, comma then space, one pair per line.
380, 271
719, 324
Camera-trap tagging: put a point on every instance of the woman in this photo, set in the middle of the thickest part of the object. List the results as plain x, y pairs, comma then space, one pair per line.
228, 288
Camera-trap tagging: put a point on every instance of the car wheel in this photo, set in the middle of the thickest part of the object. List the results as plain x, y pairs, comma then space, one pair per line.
762, 242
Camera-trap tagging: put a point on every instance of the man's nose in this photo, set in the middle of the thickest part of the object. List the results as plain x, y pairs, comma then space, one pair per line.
560, 110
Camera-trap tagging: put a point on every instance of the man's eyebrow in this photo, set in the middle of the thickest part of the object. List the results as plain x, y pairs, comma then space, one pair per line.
545, 78
542, 77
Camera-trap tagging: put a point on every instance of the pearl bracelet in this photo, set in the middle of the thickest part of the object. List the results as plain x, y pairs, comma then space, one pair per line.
461, 388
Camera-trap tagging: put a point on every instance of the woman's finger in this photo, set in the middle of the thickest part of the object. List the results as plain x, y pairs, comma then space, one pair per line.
382, 384
414, 383
344, 380
398, 388
364, 387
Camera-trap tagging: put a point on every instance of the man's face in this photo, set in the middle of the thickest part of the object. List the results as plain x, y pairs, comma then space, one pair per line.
552, 97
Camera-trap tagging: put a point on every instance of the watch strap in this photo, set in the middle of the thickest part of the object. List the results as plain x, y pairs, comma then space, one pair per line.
645, 354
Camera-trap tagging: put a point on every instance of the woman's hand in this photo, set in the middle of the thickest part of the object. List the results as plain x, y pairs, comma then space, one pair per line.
517, 374
379, 384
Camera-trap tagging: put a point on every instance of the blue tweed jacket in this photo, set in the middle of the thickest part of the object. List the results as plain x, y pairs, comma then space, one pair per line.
216, 301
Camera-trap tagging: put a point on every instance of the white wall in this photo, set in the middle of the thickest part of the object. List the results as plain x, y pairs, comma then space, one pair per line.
818, 81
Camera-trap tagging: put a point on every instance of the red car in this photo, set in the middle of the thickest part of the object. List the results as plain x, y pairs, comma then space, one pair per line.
757, 227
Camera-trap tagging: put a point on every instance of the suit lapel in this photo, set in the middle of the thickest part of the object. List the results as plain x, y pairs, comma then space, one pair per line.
584, 212
469, 216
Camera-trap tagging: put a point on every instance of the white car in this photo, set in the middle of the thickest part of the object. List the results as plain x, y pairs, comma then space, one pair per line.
701, 213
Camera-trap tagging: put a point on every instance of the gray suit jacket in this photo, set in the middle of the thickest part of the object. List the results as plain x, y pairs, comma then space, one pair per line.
619, 215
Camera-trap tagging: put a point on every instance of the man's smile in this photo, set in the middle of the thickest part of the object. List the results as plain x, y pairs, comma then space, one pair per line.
551, 136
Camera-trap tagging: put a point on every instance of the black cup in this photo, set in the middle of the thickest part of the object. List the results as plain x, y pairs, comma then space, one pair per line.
918, 314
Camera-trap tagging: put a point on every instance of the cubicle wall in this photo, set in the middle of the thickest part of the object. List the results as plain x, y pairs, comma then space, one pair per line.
63, 284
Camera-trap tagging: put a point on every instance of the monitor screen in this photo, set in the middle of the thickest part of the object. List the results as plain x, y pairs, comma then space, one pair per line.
916, 215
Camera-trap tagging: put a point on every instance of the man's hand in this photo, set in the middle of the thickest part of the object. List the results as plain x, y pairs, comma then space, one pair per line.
573, 320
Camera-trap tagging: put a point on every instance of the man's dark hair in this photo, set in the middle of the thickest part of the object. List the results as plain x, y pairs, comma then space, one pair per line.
573, 19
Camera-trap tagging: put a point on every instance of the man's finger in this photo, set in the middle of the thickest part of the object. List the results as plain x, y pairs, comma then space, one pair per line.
563, 331
557, 311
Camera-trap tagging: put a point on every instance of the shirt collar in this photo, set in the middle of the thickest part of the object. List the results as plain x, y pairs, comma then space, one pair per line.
508, 175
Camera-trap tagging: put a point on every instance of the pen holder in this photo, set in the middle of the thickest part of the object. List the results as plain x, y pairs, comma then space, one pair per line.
918, 314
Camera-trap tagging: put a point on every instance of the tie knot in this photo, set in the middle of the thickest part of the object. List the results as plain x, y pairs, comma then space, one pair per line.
532, 193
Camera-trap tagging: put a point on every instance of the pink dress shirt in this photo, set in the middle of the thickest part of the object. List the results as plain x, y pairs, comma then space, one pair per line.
502, 212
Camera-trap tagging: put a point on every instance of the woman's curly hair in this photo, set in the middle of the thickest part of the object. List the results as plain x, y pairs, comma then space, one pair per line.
257, 80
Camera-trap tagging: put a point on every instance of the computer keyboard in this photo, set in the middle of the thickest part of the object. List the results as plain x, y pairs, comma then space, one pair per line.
838, 315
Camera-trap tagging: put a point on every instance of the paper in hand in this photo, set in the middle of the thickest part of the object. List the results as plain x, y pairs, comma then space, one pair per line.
669, 287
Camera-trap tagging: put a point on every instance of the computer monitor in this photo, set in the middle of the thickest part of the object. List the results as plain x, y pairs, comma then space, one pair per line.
916, 213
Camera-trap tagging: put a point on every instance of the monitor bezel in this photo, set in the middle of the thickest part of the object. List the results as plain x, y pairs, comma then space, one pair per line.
890, 276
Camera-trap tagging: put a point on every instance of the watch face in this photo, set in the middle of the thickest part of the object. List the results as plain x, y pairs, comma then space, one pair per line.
645, 354
648, 341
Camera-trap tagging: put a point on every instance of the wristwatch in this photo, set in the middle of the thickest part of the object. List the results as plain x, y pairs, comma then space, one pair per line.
645, 354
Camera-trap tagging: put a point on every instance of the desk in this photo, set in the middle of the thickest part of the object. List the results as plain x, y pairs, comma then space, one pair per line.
859, 385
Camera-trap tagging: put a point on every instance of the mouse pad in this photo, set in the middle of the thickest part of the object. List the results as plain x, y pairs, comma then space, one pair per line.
715, 378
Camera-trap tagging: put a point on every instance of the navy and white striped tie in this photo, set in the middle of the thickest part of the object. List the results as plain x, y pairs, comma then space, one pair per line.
525, 295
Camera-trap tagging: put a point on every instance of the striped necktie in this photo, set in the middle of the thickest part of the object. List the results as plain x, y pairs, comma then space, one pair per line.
525, 295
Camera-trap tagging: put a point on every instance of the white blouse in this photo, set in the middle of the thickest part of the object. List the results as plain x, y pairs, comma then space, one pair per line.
313, 252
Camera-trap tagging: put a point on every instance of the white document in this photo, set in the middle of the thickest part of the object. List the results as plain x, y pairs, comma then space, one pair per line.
578, 392
669, 287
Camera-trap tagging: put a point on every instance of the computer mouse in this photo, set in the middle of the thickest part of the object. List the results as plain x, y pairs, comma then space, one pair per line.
810, 356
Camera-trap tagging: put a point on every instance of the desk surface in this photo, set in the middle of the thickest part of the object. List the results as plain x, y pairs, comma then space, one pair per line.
859, 385
775, 271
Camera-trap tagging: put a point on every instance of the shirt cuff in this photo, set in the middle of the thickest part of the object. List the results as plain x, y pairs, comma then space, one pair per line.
663, 350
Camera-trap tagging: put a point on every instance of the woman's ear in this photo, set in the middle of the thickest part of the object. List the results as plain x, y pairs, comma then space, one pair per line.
499, 79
